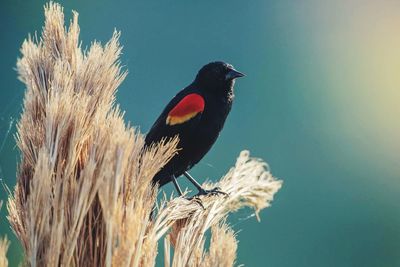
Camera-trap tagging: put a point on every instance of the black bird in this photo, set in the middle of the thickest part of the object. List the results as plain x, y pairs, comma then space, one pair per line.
197, 115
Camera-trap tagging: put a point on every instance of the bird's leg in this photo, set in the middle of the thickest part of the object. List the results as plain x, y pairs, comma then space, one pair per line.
203, 191
193, 181
178, 188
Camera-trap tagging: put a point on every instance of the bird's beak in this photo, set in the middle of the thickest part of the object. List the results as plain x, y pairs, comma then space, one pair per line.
233, 74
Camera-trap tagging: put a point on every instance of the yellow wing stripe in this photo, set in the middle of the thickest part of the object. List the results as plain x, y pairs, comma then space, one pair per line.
173, 120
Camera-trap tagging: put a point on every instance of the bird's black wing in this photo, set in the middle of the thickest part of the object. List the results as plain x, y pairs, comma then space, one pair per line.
187, 106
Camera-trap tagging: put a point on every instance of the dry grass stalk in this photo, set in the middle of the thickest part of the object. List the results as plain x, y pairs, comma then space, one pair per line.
4, 244
247, 184
222, 250
223, 246
83, 181
84, 194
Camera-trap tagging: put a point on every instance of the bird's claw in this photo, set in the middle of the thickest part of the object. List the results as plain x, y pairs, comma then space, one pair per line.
207, 192
212, 192
197, 200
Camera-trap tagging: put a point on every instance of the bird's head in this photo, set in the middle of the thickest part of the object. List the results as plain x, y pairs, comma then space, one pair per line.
217, 76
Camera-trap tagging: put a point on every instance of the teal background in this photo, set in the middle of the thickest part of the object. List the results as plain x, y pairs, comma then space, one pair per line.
320, 103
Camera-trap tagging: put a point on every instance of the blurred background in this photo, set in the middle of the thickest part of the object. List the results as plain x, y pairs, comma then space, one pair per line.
320, 103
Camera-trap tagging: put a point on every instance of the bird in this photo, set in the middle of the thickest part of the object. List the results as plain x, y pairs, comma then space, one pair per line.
196, 115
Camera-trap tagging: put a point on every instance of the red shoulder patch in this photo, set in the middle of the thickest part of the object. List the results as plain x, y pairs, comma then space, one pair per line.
187, 108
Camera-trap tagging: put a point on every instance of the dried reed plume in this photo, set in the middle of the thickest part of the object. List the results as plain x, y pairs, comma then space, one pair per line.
4, 244
84, 195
